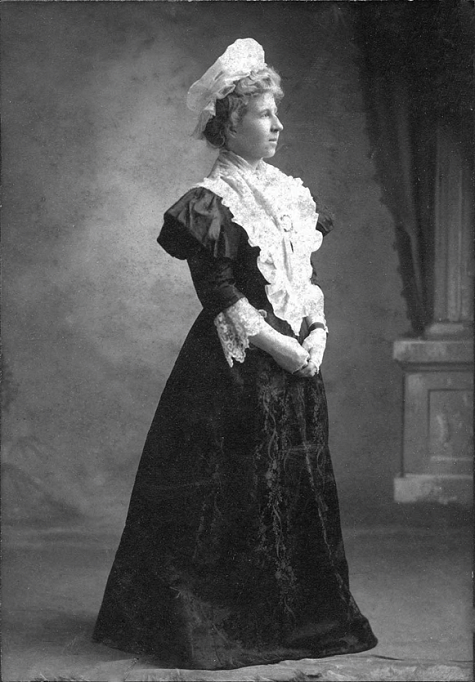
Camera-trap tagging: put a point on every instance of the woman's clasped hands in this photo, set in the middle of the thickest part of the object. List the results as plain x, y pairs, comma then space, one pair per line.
307, 371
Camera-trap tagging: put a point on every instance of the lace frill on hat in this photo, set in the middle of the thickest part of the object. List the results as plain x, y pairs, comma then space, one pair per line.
240, 59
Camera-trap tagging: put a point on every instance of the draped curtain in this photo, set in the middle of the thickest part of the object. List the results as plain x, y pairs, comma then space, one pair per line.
396, 163
416, 65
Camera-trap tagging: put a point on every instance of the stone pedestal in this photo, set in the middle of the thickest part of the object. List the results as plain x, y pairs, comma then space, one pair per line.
438, 368
438, 439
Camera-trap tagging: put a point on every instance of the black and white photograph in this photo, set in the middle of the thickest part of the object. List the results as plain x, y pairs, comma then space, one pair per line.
237, 333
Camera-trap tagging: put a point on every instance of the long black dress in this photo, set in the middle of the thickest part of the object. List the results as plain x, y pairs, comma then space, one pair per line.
232, 552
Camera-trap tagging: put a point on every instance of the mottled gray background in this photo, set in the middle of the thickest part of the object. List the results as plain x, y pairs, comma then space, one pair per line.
96, 145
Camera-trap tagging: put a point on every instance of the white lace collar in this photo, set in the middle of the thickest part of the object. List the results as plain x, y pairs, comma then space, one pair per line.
279, 216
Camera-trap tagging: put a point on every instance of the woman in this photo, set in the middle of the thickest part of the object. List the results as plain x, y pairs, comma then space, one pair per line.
232, 552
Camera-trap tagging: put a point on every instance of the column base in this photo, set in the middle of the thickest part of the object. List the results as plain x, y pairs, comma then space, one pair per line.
443, 489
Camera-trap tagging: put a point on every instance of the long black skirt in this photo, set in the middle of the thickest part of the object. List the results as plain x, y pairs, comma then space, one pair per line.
232, 552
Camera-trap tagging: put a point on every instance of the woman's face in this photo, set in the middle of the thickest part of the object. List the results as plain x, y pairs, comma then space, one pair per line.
255, 137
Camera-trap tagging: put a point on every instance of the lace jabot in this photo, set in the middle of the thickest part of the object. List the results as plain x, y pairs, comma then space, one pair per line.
279, 216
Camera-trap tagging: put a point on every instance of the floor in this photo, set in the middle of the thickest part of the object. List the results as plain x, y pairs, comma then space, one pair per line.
413, 583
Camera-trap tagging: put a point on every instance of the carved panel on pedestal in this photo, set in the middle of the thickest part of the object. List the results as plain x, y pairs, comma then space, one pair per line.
438, 434
450, 431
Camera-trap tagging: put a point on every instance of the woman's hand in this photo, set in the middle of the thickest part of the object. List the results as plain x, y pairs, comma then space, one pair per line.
315, 344
285, 350
309, 370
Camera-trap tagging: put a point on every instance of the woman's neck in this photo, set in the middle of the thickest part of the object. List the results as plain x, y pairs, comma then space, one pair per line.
239, 161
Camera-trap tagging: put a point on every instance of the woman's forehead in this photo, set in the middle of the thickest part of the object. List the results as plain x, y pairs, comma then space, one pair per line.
264, 101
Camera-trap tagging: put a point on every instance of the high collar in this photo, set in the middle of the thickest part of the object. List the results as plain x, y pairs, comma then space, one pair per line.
227, 158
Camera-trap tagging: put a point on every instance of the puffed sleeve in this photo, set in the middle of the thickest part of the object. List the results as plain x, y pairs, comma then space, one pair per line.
325, 221
199, 228
199, 218
324, 224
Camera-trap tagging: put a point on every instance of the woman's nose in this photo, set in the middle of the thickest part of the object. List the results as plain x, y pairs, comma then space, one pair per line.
277, 125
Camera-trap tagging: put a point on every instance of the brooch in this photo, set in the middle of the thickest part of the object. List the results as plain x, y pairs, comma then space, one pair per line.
286, 222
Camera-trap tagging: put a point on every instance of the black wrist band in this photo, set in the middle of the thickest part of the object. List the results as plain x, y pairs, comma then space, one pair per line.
316, 325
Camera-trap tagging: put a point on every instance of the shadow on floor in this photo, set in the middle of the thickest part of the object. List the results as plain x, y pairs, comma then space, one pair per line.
412, 582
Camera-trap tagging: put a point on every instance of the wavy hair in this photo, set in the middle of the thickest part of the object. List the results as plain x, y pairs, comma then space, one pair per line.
231, 109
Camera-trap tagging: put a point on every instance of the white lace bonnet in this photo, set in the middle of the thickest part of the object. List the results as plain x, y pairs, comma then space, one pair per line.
239, 60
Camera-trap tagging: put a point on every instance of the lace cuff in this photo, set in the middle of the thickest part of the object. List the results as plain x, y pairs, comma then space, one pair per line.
315, 341
315, 345
235, 325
